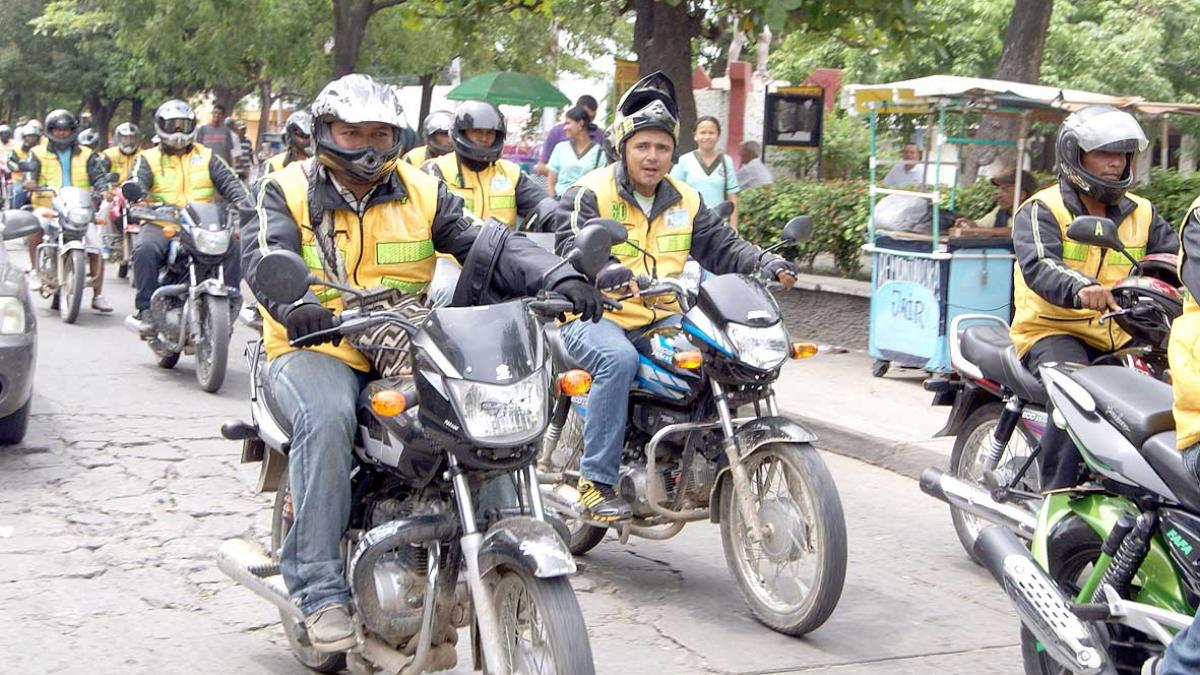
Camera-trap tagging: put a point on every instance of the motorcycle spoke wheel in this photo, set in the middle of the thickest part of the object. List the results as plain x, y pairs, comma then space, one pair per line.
212, 348
541, 626
74, 276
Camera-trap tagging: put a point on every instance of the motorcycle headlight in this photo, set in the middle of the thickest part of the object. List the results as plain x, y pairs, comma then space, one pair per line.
211, 242
502, 414
761, 347
12, 316
79, 217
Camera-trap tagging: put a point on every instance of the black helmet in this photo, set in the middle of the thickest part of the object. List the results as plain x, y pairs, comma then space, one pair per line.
649, 104
61, 119
126, 137
6, 133
477, 115
175, 124
356, 99
438, 121
297, 133
1098, 127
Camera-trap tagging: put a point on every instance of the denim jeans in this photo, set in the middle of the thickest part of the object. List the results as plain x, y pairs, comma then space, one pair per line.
149, 256
605, 351
317, 395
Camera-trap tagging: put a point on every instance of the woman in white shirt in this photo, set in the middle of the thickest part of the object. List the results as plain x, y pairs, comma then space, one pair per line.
709, 171
575, 156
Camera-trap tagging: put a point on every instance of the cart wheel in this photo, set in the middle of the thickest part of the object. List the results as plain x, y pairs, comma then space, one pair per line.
880, 367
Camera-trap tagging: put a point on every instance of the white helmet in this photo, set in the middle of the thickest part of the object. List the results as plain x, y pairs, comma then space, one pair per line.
175, 122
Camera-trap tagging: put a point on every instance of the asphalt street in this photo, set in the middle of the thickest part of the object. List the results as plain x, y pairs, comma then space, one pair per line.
113, 508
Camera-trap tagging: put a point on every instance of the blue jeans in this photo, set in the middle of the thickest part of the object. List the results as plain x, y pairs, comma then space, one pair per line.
1183, 654
606, 352
317, 394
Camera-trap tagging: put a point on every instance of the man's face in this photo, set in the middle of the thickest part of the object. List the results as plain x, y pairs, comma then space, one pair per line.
60, 133
441, 139
910, 154
361, 136
217, 117
482, 137
1105, 164
648, 157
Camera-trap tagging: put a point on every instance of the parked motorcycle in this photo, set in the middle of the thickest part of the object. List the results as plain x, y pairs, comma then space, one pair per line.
689, 457
192, 312
998, 407
62, 257
431, 547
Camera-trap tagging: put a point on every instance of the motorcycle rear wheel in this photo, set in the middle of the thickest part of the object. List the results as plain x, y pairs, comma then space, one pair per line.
541, 624
808, 511
74, 277
212, 349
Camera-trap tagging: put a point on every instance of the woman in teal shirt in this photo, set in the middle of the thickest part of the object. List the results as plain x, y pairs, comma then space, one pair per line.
575, 156
711, 172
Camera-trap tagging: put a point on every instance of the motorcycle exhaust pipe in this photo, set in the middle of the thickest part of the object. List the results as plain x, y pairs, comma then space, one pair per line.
245, 563
562, 498
978, 502
1039, 602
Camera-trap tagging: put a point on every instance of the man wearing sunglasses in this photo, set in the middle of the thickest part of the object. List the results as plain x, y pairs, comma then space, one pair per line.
179, 171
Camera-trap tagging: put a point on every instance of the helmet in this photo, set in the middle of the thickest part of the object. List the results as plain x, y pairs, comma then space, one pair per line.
89, 138
477, 115
61, 119
1153, 304
297, 133
1162, 266
175, 124
126, 137
1098, 127
6, 132
24, 131
35, 125
355, 99
438, 121
649, 104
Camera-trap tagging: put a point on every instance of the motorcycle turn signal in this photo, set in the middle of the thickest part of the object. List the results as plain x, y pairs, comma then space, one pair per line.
803, 350
574, 383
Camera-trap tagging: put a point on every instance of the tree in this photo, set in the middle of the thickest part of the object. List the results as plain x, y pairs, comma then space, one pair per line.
350, 19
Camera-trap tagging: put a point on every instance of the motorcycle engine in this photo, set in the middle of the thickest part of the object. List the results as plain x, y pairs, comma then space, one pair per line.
168, 315
398, 580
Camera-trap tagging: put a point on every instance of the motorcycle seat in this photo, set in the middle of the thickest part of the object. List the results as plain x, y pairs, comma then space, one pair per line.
1160, 451
990, 348
1137, 405
563, 360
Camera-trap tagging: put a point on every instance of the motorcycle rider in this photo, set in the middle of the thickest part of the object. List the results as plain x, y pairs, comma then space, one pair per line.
124, 150
29, 137
388, 218
7, 143
179, 170
437, 138
668, 219
1061, 287
63, 162
297, 139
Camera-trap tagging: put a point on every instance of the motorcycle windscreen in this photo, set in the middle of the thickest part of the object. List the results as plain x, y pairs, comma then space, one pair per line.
207, 216
738, 299
496, 344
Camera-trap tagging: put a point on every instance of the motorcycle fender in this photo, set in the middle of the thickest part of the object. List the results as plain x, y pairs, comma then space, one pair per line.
524, 542
270, 472
211, 287
750, 437
1159, 583
69, 246
966, 401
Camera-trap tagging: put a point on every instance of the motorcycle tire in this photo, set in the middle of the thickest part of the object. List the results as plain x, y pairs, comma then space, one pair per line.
13, 426
212, 347
75, 276
54, 300
519, 597
122, 270
169, 360
583, 537
826, 526
297, 637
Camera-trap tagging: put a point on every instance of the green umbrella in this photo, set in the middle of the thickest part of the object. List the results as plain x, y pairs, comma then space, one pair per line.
510, 89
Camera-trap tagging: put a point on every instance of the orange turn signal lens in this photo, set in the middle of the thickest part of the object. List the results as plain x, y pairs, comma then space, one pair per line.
388, 402
170, 231
803, 350
691, 360
574, 383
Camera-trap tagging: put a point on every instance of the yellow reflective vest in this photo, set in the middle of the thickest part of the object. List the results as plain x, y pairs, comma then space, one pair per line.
1183, 353
182, 178
51, 174
277, 162
668, 238
391, 245
1035, 317
417, 155
120, 163
491, 193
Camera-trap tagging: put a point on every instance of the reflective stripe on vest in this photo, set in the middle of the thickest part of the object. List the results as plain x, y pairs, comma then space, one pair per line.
179, 179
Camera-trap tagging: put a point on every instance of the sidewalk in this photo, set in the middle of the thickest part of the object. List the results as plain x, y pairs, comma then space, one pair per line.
886, 421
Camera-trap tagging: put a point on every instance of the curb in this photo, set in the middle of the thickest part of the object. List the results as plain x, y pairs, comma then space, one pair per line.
900, 457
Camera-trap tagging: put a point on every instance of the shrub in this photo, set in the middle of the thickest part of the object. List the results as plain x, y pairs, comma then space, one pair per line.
838, 210
1171, 193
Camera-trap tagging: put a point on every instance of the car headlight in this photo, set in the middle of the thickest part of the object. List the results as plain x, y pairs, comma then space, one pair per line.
499, 414
12, 316
761, 347
211, 242
79, 217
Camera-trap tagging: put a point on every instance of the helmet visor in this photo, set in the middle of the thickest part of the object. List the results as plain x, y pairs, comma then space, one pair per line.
1112, 130
176, 126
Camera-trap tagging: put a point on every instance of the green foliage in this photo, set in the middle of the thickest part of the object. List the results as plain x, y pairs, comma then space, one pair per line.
1171, 193
839, 211
972, 201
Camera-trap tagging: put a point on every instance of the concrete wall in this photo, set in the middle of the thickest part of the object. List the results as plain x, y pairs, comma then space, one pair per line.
826, 318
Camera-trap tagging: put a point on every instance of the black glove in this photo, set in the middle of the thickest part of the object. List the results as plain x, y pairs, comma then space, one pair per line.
778, 265
614, 276
308, 318
584, 297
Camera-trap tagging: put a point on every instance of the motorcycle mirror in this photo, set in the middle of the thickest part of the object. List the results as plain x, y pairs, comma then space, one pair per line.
616, 229
1095, 231
724, 210
19, 224
593, 247
798, 229
133, 191
282, 276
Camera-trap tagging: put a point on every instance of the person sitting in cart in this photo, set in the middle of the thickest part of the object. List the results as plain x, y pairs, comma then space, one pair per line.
1062, 287
1001, 215
909, 172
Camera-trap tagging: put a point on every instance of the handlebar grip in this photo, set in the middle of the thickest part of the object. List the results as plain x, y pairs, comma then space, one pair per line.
552, 306
317, 338
645, 281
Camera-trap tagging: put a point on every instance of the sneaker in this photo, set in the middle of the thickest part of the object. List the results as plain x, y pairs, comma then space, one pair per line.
601, 503
101, 305
330, 629
1152, 665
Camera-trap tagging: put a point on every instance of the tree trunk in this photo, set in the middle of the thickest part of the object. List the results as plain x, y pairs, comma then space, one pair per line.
228, 96
427, 83
264, 111
1020, 61
660, 44
135, 112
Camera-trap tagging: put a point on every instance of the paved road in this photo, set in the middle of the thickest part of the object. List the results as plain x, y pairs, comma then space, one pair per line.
111, 511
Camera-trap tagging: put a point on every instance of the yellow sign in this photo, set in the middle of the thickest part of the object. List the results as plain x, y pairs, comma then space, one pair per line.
803, 91
625, 75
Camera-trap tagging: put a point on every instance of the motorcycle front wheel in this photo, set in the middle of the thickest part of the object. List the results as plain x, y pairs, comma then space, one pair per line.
793, 578
74, 277
212, 347
541, 625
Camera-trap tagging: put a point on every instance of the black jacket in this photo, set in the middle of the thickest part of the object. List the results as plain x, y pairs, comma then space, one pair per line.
224, 179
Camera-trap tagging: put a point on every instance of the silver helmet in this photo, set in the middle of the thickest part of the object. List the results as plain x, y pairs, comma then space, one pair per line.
126, 137
358, 99
175, 123
1098, 127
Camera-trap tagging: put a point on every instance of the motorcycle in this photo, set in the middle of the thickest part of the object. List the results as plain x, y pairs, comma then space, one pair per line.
62, 256
120, 236
433, 447
192, 312
998, 407
1112, 573
687, 457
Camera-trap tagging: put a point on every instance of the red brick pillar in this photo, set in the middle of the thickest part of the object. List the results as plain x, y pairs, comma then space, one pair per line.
739, 89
